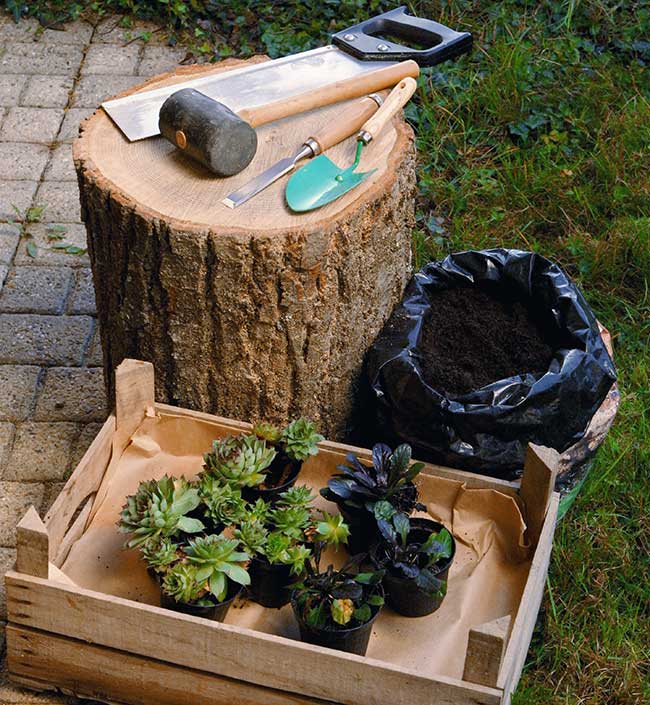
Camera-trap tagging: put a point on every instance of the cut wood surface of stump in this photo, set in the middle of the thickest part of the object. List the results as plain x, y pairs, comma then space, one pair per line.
251, 313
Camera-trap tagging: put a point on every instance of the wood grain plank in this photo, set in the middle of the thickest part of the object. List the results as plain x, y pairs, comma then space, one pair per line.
537, 483
32, 545
134, 394
85, 480
228, 650
531, 599
74, 532
45, 661
485, 648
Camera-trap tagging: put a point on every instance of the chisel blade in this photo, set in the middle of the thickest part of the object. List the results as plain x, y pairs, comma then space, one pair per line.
266, 178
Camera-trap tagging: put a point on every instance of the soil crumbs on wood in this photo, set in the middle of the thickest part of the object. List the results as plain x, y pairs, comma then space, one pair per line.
472, 337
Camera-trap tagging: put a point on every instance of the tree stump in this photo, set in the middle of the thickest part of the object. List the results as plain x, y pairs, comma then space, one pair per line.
252, 313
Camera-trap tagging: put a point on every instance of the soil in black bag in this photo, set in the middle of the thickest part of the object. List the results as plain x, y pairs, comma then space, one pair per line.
472, 337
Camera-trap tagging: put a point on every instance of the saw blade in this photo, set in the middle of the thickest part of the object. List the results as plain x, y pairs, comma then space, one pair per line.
251, 86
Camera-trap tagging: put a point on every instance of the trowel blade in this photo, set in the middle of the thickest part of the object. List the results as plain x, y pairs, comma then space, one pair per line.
319, 182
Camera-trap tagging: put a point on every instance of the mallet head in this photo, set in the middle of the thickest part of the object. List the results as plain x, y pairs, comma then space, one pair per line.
207, 131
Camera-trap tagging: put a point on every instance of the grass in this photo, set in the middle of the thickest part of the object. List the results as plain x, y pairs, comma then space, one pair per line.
538, 140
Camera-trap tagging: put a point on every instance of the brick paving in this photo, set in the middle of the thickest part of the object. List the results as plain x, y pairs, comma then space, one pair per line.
51, 388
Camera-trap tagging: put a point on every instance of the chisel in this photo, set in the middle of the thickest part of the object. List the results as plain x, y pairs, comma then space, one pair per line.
347, 123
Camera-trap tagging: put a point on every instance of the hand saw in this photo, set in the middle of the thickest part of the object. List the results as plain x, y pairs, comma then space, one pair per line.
360, 49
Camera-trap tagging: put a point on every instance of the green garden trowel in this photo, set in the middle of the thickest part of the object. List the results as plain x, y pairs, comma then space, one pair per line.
321, 181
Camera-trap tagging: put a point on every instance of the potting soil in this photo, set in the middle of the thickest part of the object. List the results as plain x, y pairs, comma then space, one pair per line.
472, 337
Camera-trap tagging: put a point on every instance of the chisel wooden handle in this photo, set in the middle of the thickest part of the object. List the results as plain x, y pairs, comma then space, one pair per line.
348, 122
398, 98
333, 93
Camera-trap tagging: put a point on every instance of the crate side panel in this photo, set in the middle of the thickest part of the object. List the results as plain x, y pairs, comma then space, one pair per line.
340, 450
522, 629
83, 482
227, 650
86, 670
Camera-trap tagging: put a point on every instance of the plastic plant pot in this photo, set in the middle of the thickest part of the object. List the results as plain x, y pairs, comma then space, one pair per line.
269, 582
363, 528
216, 612
402, 594
154, 575
283, 468
354, 640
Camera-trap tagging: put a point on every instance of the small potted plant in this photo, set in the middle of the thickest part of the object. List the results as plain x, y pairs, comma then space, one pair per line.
207, 579
159, 554
416, 555
359, 487
280, 540
221, 505
238, 461
160, 509
293, 445
337, 608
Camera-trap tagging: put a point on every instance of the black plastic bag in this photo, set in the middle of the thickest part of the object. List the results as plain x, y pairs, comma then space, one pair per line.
487, 429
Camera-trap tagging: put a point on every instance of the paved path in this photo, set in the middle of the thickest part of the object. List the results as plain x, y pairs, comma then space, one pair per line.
51, 389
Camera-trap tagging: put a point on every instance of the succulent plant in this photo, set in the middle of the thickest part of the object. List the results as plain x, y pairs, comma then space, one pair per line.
223, 503
296, 557
299, 439
181, 584
279, 534
252, 535
338, 598
291, 521
259, 511
159, 509
161, 554
216, 558
276, 547
267, 432
239, 460
390, 478
297, 496
332, 529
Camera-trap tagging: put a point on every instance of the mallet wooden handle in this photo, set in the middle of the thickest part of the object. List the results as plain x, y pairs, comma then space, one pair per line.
398, 98
333, 93
347, 122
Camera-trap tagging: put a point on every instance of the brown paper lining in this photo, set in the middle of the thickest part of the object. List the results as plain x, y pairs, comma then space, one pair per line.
486, 579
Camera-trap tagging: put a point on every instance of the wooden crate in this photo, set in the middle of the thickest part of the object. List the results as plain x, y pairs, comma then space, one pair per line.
94, 645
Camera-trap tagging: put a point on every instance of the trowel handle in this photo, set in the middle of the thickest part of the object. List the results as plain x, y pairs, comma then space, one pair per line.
398, 98
347, 122
332, 93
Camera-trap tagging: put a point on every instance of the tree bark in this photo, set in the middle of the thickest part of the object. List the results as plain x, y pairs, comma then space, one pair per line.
268, 317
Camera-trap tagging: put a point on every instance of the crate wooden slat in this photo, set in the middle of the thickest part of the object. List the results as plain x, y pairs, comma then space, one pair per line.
88, 670
63, 636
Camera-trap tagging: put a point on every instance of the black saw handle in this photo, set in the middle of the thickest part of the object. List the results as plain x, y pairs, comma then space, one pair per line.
371, 40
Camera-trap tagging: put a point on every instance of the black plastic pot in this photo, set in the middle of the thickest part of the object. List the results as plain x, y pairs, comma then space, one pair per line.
402, 594
154, 574
363, 528
354, 640
281, 466
269, 582
216, 612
